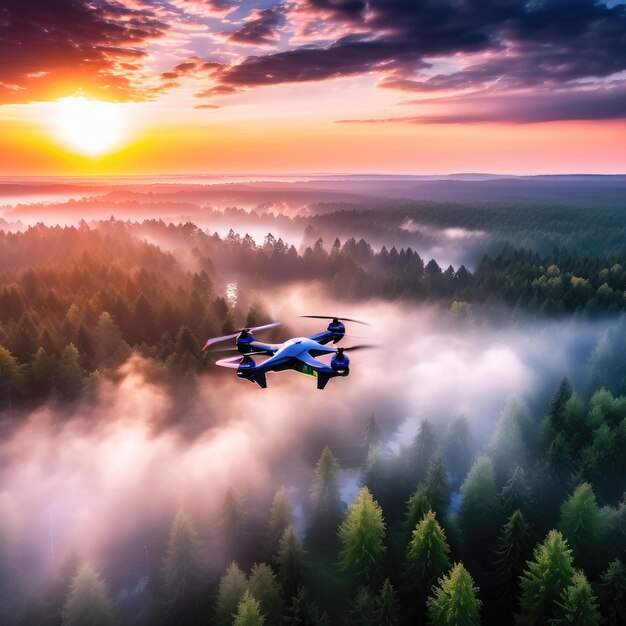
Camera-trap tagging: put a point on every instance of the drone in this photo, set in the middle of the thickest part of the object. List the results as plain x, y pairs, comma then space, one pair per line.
297, 354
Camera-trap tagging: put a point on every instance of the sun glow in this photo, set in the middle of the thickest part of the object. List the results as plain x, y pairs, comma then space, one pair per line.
90, 127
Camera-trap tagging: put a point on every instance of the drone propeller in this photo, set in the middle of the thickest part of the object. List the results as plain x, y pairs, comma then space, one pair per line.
232, 362
333, 317
254, 329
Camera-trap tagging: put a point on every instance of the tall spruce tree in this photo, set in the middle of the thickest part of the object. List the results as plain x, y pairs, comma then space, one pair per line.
263, 585
326, 502
479, 512
183, 574
248, 612
233, 584
613, 594
88, 601
582, 525
547, 575
454, 601
578, 604
281, 518
290, 562
514, 548
438, 488
387, 609
361, 535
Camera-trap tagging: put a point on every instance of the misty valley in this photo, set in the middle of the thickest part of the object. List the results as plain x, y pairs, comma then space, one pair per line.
471, 469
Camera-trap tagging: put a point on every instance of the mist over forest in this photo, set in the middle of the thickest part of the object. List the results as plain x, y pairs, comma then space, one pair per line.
477, 456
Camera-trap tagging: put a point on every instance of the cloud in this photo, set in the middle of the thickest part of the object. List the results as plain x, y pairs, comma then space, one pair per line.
261, 28
51, 49
607, 102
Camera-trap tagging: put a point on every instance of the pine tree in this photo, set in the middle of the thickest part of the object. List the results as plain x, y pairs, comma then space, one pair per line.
457, 448
372, 435
304, 612
427, 553
613, 593
248, 612
422, 452
578, 604
547, 575
70, 374
263, 585
88, 601
509, 445
234, 525
555, 419
361, 535
183, 573
233, 584
417, 506
479, 511
281, 518
514, 548
582, 525
517, 494
427, 560
438, 488
455, 601
291, 562
363, 608
326, 501
387, 610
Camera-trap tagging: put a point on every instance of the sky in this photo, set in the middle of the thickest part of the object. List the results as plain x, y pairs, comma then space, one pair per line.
271, 86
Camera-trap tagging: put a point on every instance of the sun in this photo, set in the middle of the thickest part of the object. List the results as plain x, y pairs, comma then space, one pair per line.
90, 127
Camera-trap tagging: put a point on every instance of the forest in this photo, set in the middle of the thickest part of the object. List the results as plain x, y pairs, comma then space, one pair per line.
471, 474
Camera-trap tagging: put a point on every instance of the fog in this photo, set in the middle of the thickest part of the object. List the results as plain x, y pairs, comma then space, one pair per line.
105, 478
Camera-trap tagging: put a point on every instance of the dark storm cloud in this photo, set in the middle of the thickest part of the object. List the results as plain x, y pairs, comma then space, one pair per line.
261, 28
51, 48
523, 44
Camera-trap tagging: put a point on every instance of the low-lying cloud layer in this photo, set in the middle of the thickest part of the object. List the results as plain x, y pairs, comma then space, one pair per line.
106, 480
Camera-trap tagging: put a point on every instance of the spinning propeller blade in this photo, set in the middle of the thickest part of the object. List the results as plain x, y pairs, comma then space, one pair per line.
334, 317
254, 329
232, 362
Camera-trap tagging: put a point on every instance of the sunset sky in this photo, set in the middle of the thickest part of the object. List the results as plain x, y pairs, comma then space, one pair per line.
404, 86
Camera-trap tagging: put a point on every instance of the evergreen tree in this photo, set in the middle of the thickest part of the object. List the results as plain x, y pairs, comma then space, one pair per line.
582, 525
427, 553
70, 374
454, 601
438, 488
509, 445
514, 548
263, 585
363, 609
233, 584
427, 560
417, 506
555, 419
613, 594
11, 376
88, 601
248, 612
326, 501
457, 448
578, 604
372, 435
281, 518
517, 494
479, 511
548, 574
234, 525
361, 535
387, 610
183, 574
422, 452
291, 562
304, 612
